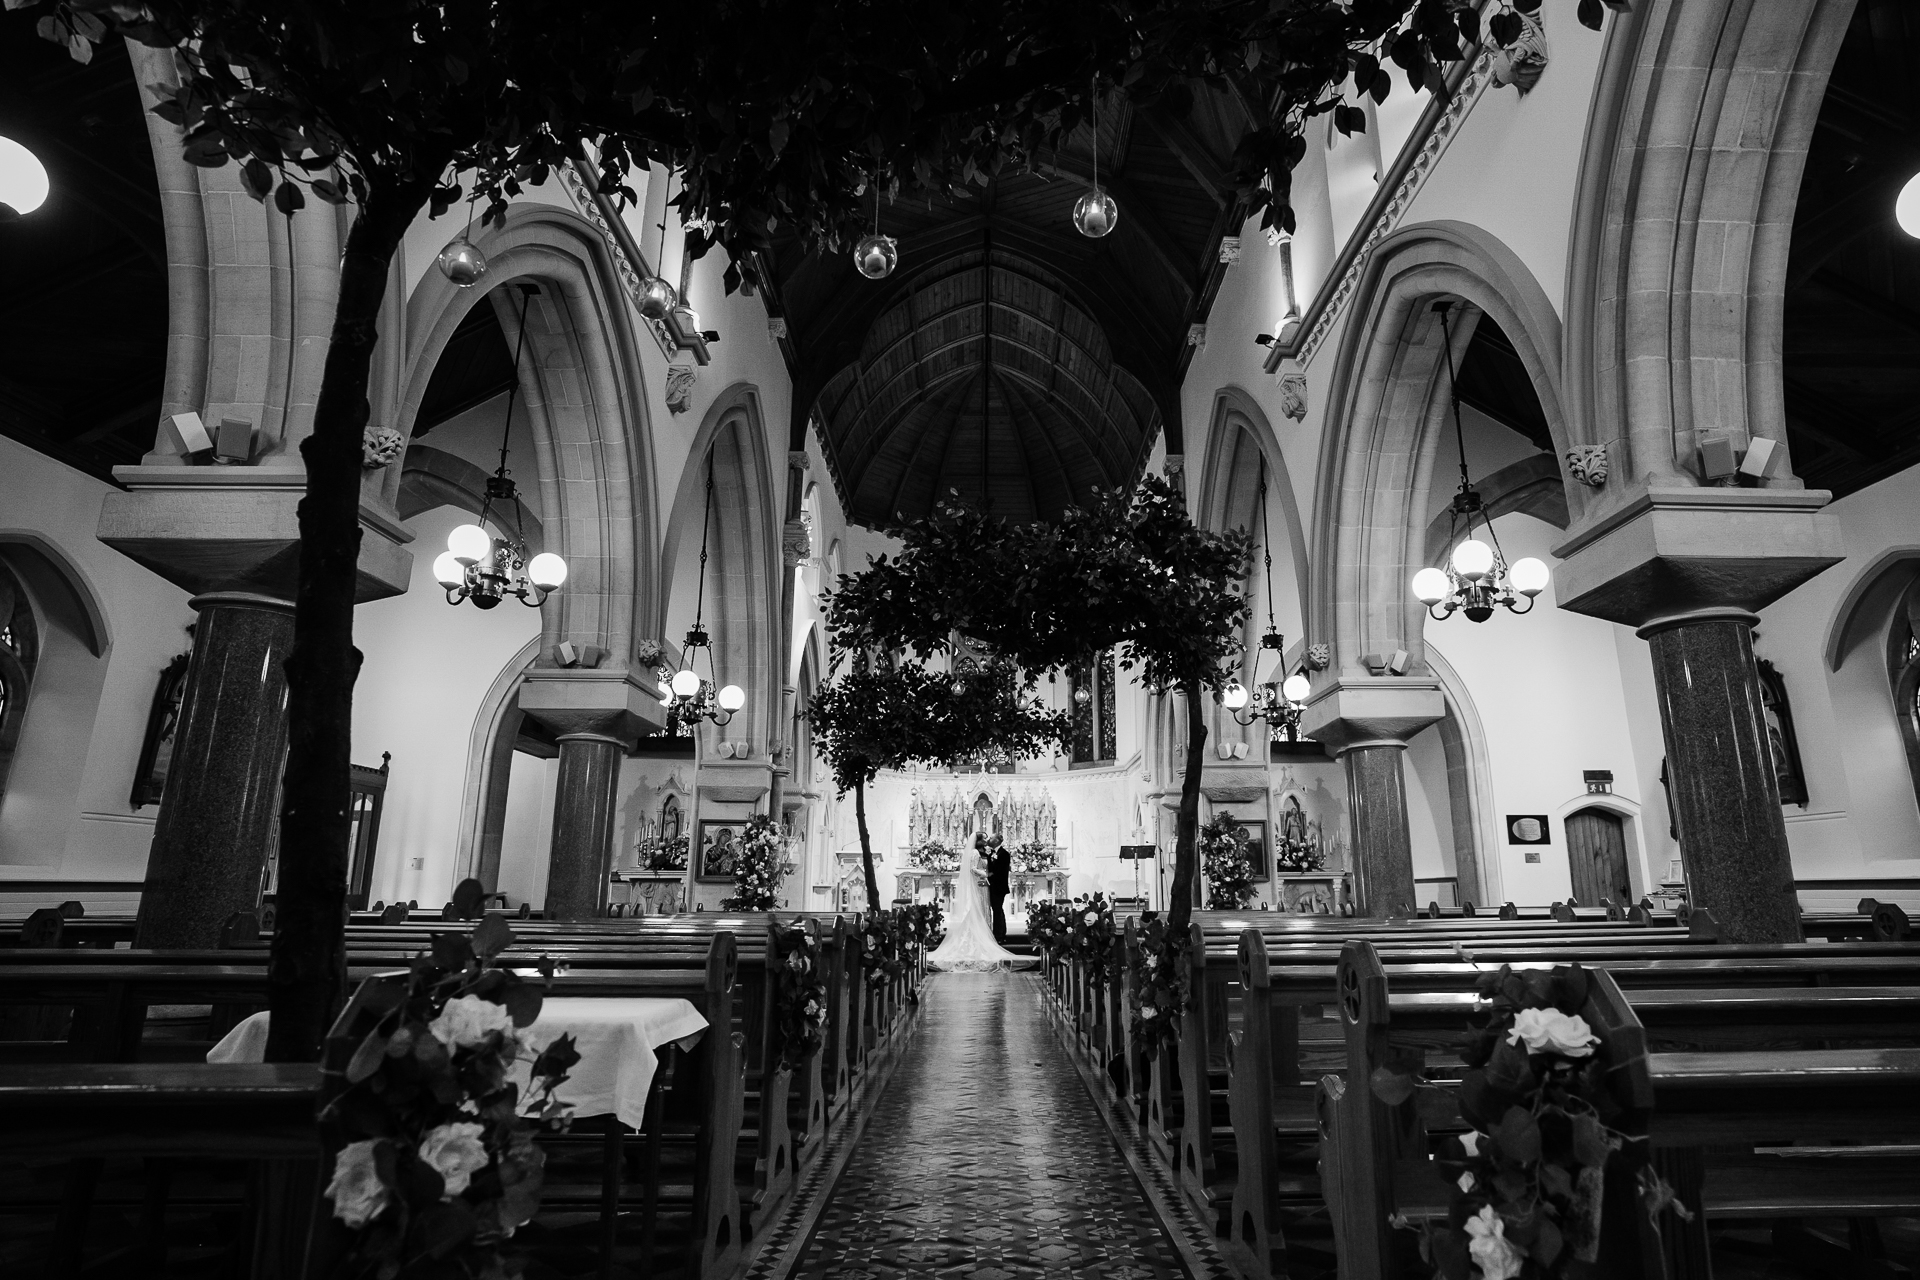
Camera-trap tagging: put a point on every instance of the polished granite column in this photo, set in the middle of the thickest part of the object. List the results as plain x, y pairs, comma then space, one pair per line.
584, 800
1382, 842
223, 781
1724, 793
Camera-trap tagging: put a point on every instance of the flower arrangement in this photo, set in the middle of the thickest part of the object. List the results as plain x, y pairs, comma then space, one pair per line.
799, 994
1223, 850
1089, 931
759, 867
1528, 1180
1298, 857
1034, 858
664, 853
1046, 924
926, 924
881, 938
439, 1163
933, 855
1158, 989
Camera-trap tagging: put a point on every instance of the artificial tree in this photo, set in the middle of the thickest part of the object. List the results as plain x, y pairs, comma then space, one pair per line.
1129, 572
778, 116
888, 715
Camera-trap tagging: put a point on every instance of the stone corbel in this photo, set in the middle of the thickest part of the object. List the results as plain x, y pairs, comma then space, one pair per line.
1372, 711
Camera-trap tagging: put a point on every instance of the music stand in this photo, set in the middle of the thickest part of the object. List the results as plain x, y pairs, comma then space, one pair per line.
1136, 853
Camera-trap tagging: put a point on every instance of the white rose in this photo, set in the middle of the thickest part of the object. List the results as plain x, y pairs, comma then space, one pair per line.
1471, 1141
1466, 1182
455, 1152
1547, 1030
812, 1007
1147, 1011
468, 1020
357, 1193
1497, 1257
797, 962
1092, 916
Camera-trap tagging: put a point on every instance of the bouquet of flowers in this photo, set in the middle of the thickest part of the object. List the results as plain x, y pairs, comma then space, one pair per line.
664, 853
1089, 932
932, 855
438, 1161
759, 867
1033, 857
1223, 848
1158, 992
799, 994
1528, 1180
1298, 857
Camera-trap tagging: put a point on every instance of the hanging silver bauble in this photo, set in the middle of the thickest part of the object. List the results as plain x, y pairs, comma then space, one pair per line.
461, 262
876, 256
657, 298
1095, 213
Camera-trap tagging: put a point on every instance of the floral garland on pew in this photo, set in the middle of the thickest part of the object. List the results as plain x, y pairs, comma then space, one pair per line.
799, 995
1046, 925
440, 1163
1158, 993
881, 937
926, 924
1528, 1180
759, 867
1087, 924
1223, 849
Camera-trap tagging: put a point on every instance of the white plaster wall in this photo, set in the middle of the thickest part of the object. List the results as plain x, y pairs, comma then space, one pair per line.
1429, 807
76, 822
427, 667
527, 836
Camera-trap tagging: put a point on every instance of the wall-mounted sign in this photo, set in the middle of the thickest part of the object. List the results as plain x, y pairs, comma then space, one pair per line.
1528, 828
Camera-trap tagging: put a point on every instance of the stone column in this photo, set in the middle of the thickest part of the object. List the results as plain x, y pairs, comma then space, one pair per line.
1687, 567
584, 799
218, 811
1725, 796
1365, 722
596, 715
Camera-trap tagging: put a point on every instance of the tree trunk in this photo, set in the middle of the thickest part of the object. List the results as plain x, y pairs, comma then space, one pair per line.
308, 969
866, 846
1187, 826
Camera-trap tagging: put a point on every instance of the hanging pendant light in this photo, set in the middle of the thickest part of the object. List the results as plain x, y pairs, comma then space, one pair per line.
461, 262
1279, 702
1476, 577
876, 255
1095, 214
689, 696
481, 568
657, 298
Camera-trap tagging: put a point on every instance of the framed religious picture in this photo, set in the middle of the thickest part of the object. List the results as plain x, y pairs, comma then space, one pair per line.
1785, 747
719, 847
1528, 828
156, 751
1259, 854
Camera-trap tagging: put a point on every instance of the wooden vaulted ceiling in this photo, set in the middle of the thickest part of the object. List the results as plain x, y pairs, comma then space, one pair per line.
1008, 357
1851, 357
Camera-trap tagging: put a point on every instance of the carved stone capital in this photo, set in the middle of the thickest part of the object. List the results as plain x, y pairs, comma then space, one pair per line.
1362, 711
1293, 396
796, 543
680, 379
609, 703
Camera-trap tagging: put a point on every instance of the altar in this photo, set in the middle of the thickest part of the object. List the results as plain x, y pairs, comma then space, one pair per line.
1024, 888
986, 812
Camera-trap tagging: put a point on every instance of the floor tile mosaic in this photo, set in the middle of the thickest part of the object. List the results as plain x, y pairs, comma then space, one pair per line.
986, 1158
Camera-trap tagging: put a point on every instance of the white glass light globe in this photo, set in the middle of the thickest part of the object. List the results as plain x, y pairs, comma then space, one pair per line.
461, 262
1234, 696
1528, 576
1095, 214
876, 256
448, 571
23, 179
1296, 688
469, 544
1906, 209
547, 571
732, 698
657, 298
685, 683
1472, 559
1431, 586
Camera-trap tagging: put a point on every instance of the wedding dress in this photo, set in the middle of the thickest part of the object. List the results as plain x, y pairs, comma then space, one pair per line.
969, 942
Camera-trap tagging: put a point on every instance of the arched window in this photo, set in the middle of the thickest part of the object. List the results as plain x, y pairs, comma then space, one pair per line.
19, 651
1095, 736
1903, 668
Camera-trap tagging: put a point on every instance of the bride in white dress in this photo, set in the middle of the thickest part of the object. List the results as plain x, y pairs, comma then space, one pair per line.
969, 943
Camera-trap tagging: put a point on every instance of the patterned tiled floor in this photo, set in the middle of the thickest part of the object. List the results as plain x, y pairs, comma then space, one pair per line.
986, 1159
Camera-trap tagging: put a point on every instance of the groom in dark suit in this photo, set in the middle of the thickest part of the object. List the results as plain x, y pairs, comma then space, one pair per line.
999, 866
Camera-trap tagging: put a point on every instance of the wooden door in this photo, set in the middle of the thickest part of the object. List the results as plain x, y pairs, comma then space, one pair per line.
1597, 856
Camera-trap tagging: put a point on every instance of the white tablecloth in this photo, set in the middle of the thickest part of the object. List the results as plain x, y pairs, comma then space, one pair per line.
616, 1039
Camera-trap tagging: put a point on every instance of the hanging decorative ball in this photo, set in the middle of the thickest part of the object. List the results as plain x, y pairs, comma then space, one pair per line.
1095, 213
657, 298
876, 256
462, 263
1082, 696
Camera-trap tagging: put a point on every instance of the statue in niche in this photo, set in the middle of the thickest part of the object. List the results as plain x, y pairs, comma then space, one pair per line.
670, 818
1588, 463
1293, 396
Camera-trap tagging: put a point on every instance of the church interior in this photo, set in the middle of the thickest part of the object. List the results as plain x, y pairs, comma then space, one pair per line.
1631, 312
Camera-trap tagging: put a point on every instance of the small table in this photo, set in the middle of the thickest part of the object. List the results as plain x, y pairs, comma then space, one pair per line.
617, 1037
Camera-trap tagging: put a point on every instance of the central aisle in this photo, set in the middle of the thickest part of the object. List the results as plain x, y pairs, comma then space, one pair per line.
986, 1158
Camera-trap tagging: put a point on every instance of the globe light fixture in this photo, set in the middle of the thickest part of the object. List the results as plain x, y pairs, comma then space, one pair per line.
690, 696
1476, 578
480, 567
657, 298
1095, 213
461, 262
1234, 696
1279, 702
876, 256
1906, 207
24, 185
